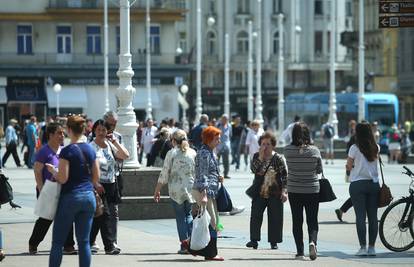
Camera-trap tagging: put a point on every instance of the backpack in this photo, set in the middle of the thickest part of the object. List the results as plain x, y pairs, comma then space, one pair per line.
328, 131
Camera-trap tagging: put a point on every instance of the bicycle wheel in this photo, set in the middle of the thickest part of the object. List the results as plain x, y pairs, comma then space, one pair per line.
396, 228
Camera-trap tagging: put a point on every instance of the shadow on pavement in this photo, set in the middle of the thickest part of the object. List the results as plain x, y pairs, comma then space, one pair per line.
387, 255
335, 222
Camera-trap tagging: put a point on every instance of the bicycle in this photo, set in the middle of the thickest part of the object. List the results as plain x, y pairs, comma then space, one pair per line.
396, 225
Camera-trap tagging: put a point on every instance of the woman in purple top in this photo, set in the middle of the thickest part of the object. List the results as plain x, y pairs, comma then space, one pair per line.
78, 172
49, 153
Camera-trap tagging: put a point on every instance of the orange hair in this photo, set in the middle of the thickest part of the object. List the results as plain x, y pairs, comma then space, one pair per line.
209, 133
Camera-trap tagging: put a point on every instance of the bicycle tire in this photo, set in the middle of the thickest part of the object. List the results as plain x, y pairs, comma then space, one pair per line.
394, 237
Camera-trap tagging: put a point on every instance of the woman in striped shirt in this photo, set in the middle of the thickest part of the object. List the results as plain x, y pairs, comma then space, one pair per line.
304, 164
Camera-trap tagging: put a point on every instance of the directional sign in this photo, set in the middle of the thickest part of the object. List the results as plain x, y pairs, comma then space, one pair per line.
386, 7
396, 21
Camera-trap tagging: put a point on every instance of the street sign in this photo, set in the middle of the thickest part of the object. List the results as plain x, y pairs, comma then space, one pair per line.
396, 7
396, 21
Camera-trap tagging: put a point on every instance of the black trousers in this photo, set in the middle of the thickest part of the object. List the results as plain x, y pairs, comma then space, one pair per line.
40, 230
274, 219
11, 149
346, 206
311, 204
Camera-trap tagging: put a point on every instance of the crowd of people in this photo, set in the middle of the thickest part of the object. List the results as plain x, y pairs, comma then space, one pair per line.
91, 160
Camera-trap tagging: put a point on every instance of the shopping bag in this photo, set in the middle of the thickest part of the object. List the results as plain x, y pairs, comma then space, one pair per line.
223, 200
48, 200
200, 235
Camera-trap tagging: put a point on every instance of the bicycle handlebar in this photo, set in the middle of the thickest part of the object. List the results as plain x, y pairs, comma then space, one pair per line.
409, 172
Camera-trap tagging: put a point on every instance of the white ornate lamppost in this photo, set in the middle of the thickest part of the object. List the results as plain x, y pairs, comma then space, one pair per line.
184, 91
57, 88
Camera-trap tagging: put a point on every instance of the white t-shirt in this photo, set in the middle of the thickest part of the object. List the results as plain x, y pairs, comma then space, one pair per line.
363, 169
252, 140
107, 161
148, 135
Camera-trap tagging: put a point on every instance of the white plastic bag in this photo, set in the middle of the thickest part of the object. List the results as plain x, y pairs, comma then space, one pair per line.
48, 200
200, 235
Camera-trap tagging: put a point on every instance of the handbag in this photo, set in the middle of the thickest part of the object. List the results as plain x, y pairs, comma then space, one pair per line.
200, 235
6, 191
384, 195
99, 205
326, 193
46, 204
224, 203
254, 190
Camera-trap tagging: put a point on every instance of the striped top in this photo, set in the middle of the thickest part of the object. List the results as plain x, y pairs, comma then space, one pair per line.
304, 165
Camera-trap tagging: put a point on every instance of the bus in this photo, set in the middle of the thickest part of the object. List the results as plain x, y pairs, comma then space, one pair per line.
314, 109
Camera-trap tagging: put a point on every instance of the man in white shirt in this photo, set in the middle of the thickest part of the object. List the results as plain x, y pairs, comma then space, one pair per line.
252, 139
286, 136
148, 137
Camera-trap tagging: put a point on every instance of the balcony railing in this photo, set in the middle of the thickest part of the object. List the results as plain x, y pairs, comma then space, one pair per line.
88, 59
140, 4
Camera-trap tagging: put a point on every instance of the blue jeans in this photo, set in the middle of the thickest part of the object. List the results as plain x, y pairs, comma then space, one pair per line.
235, 152
31, 155
364, 195
1, 239
183, 218
78, 207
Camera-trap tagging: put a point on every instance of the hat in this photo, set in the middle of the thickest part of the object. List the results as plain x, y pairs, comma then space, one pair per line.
13, 121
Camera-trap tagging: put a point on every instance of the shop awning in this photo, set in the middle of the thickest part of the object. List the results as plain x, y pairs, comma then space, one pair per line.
69, 97
141, 96
3, 95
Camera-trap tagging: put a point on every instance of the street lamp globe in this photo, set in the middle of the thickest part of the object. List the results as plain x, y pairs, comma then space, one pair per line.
178, 51
298, 29
57, 87
254, 34
184, 89
211, 21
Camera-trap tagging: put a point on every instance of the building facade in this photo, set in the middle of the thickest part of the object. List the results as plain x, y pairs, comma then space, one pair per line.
43, 42
307, 30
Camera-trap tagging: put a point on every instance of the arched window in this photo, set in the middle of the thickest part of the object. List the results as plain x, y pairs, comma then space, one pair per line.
276, 43
242, 42
211, 43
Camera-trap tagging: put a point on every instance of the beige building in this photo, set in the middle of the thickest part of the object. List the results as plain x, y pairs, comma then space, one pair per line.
43, 42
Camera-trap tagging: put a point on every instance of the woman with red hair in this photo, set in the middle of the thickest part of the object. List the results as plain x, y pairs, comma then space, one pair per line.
206, 185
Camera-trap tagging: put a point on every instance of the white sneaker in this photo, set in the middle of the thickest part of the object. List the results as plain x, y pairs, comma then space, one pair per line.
94, 248
237, 210
362, 252
312, 251
371, 251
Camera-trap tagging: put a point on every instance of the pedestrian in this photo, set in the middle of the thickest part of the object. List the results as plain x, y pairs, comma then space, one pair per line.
244, 150
394, 145
304, 164
362, 164
286, 136
160, 148
237, 131
108, 150
270, 172
178, 172
252, 139
195, 133
327, 134
32, 137
78, 171
139, 145
205, 189
224, 147
48, 154
11, 144
148, 137
405, 147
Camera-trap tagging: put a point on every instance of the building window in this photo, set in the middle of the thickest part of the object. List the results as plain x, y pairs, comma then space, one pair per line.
243, 7
24, 39
348, 8
64, 39
277, 6
93, 40
239, 79
318, 7
183, 42
276, 43
318, 44
155, 39
211, 43
212, 6
242, 42
118, 40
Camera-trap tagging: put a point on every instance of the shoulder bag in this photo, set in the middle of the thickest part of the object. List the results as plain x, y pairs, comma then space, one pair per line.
326, 193
384, 195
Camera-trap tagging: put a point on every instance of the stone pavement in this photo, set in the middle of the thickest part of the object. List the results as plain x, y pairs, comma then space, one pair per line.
154, 242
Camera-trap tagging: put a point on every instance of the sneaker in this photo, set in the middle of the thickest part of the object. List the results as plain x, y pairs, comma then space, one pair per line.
237, 210
312, 251
112, 251
362, 252
32, 250
371, 251
117, 247
94, 248
300, 257
339, 214
273, 246
182, 251
69, 251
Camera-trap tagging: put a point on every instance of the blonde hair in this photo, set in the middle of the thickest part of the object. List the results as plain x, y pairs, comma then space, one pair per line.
180, 138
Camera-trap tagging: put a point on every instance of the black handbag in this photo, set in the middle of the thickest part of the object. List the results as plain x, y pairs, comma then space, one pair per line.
6, 191
326, 193
224, 203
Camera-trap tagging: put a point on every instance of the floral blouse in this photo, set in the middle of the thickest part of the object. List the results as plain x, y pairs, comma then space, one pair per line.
207, 172
178, 173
